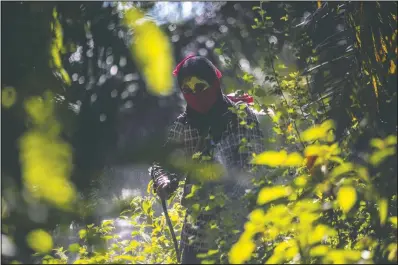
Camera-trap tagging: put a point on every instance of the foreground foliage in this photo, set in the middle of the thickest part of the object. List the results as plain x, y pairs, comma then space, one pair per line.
331, 137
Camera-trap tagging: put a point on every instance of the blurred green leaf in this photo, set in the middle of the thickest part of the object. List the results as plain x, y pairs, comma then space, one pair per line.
268, 194
346, 197
40, 241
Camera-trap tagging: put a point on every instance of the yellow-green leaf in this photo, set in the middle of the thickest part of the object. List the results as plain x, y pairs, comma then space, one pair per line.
241, 251
341, 169
319, 251
257, 216
8, 97
391, 140
346, 197
270, 158
268, 194
379, 156
82, 233
383, 210
40, 241
377, 143
393, 67
74, 248
320, 233
294, 160
152, 51
318, 132
393, 221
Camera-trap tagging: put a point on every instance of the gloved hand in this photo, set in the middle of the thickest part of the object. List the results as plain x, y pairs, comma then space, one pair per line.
163, 185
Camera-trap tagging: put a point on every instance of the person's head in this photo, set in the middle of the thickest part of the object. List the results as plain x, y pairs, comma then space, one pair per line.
199, 81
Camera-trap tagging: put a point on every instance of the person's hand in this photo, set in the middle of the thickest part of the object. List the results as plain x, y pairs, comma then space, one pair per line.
162, 187
164, 183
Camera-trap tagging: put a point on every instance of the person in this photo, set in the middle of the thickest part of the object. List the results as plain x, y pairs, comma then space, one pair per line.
223, 131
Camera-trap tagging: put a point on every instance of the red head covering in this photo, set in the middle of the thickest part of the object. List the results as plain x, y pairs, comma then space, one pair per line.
203, 101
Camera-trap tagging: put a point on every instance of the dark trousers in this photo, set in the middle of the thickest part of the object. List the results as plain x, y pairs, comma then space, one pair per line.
189, 255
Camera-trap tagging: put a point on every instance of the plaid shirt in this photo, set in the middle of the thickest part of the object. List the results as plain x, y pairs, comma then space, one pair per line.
228, 152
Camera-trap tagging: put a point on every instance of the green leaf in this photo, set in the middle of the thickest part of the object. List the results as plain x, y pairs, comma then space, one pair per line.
391, 140
379, 156
318, 131
320, 233
241, 251
82, 233
268, 194
275, 159
341, 169
346, 198
218, 51
393, 221
146, 205
377, 143
74, 248
319, 251
40, 241
270, 158
212, 252
383, 211
294, 160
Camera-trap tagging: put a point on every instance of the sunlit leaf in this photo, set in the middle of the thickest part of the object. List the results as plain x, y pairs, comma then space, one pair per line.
152, 51
319, 251
393, 67
8, 97
301, 181
346, 197
285, 250
82, 233
391, 140
241, 251
379, 156
341, 169
50, 180
318, 131
268, 194
375, 88
294, 160
383, 211
270, 158
392, 256
377, 143
40, 241
146, 206
275, 159
257, 216
320, 233
57, 47
74, 248
393, 221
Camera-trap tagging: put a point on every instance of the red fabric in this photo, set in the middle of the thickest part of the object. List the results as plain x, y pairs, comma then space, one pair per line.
178, 67
203, 101
245, 98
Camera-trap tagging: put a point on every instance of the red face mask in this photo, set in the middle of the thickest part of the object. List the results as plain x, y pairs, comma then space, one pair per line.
199, 95
202, 101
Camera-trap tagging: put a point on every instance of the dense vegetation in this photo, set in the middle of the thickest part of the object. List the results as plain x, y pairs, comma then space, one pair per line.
88, 86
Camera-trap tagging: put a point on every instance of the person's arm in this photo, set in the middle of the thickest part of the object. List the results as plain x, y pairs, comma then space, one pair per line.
165, 180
